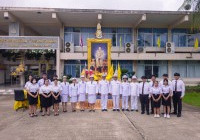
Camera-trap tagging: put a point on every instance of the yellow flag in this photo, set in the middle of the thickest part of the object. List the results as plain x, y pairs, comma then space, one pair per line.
110, 73
158, 42
83, 72
119, 72
196, 44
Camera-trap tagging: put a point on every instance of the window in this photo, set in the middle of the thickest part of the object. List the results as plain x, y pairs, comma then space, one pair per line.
128, 65
74, 67
187, 69
150, 67
148, 37
184, 38
73, 34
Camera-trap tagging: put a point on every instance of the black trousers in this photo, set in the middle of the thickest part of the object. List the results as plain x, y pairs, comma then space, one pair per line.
144, 100
177, 102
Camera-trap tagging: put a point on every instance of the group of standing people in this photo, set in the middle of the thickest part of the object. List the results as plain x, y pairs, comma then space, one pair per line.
153, 93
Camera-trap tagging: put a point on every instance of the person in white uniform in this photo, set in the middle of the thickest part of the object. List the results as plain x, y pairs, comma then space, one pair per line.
73, 93
55, 77
144, 95
45, 98
92, 91
55, 91
178, 93
134, 92
82, 93
30, 77
104, 90
41, 82
125, 92
156, 94
26, 88
115, 92
33, 90
151, 83
64, 93
166, 98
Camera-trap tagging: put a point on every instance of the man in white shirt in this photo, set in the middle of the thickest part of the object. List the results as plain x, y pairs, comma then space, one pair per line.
178, 93
115, 92
125, 92
144, 95
134, 92
104, 90
153, 80
42, 80
82, 92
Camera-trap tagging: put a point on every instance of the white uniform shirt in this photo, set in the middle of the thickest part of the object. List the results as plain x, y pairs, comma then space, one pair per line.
166, 89
169, 83
104, 87
146, 88
115, 87
65, 88
45, 89
134, 89
28, 83
125, 89
92, 87
41, 82
52, 83
33, 87
180, 86
73, 90
56, 89
155, 90
82, 87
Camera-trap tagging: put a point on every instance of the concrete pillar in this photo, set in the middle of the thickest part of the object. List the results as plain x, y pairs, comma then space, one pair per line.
135, 39
135, 66
58, 62
169, 35
170, 74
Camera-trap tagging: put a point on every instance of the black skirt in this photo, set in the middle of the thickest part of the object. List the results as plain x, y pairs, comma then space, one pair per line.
31, 100
55, 101
45, 102
156, 104
166, 102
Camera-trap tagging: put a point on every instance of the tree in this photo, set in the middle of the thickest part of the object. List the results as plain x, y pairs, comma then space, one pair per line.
192, 6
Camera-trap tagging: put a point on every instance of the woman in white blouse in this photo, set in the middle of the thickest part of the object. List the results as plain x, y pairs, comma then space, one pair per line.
156, 94
45, 98
55, 92
73, 93
166, 98
33, 89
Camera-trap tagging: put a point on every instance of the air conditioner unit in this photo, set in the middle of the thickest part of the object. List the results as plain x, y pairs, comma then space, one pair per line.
140, 50
129, 48
69, 47
170, 48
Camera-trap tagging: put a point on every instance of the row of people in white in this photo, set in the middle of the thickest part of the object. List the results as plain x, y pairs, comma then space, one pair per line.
77, 91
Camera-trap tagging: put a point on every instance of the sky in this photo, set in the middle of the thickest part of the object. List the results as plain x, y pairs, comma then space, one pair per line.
158, 5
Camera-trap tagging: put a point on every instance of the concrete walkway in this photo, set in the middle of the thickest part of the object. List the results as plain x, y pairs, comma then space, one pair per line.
96, 126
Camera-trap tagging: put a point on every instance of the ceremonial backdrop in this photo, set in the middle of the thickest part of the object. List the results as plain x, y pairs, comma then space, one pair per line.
99, 54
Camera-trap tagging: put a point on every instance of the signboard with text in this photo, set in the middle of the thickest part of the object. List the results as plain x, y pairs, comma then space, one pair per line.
29, 42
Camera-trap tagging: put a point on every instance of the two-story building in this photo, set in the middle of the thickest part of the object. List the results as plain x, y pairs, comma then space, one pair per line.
160, 41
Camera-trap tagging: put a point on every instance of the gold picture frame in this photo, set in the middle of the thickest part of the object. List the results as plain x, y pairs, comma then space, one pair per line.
90, 41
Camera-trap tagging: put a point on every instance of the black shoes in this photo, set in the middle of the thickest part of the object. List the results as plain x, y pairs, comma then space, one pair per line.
104, 110
118, 110
132, 110
179, 115
122, 109
114, 109
142, 112
127, 110
147, 113
136, 110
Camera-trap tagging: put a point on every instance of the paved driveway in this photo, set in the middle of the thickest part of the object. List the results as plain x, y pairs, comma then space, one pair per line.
99, 125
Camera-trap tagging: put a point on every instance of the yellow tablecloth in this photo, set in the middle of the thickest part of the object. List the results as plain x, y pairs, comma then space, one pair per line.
21, 104
24, 104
